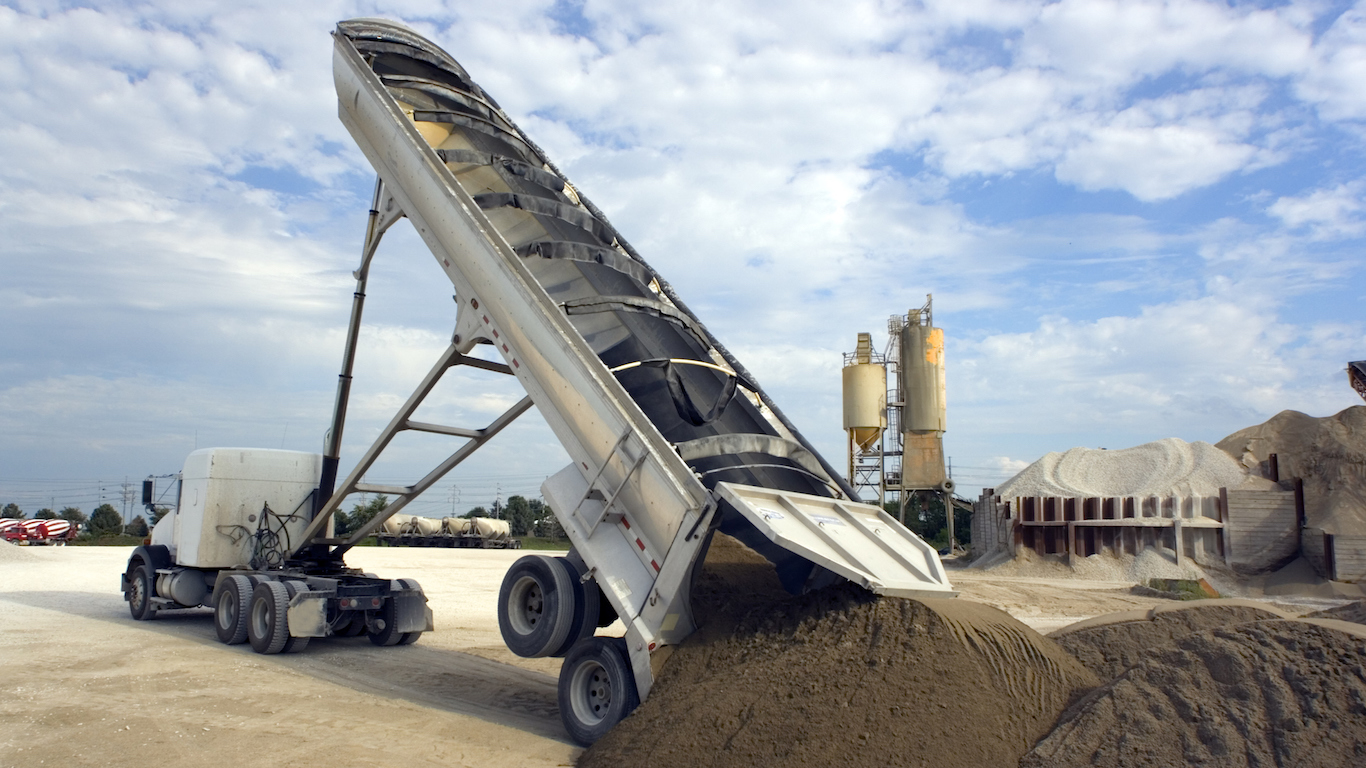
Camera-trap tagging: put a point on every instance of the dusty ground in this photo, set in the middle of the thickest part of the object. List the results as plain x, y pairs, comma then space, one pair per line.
83, 684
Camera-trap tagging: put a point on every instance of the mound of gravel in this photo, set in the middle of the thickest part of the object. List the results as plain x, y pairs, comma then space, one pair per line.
839, 677
1353, 612
1108, 645
13, 553
1281, 692
1328, 453
1164, 467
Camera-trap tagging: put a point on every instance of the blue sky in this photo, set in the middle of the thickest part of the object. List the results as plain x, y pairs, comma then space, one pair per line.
1139, 220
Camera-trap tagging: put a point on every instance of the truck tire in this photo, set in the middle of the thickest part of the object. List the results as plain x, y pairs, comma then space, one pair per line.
409, 638
585, 619
354, 626
535, 606
230, 609
294, 644
597, 688
383, 634
141, 586
267, 622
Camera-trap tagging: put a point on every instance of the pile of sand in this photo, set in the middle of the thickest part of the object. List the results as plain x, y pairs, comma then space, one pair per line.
13, 553
1328, 453
838, 677
1353, 612
1165, 467
1108, 645
1278, 692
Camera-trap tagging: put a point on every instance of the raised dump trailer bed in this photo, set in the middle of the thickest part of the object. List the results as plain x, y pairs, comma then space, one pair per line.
670, 437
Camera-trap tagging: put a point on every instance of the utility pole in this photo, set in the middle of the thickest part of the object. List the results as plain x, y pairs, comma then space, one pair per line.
127, 498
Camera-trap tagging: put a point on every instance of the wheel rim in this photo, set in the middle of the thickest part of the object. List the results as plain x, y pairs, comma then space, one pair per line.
526, 605
137, 593
227, 609
590, 693
260, 617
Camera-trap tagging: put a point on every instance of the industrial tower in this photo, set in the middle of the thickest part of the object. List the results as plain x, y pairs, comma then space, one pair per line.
896, 432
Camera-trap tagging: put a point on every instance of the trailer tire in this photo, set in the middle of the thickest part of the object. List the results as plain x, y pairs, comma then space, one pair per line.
535, 606
597, 688
230, 609
267, 621
586, 610
141, 586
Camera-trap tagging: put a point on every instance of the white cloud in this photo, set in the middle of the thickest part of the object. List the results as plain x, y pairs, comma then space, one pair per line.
1328, 214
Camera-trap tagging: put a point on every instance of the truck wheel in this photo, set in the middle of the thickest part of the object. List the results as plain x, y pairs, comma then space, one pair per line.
597, 688
141, 584
535, 606
585, 619
294, 644
354, 626
230, 610
267, 623
382, 631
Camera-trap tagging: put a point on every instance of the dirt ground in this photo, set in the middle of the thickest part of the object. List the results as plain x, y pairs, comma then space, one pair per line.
82, 684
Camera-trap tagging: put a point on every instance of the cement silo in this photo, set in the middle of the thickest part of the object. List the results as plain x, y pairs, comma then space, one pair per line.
923, 421
865, 402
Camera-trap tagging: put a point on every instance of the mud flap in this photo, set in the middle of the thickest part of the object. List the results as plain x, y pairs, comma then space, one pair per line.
411, 613
308, 615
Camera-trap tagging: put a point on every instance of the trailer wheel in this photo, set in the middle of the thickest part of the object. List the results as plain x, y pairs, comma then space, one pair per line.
597, 688
535, 606
293, 644
141, 584
586, 610
230, 610
267, 622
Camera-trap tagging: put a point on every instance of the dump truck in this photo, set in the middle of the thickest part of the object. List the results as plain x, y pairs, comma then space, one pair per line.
671, 439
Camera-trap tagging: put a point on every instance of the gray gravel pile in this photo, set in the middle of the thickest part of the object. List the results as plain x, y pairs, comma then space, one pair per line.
1165, 467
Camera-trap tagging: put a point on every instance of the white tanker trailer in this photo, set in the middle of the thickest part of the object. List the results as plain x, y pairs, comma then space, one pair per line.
670, 437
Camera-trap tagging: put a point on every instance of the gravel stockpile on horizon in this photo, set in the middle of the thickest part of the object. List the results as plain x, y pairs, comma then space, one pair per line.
1328, 453
1160, 468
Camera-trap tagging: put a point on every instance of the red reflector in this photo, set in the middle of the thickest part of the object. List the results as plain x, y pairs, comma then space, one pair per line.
495, 333
656, 565
374, 602
626, 523
515, 364
640, 544
505, 347
486, 317
652, 646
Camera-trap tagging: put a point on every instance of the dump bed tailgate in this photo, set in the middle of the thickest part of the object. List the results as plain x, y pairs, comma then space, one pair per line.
858, 541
